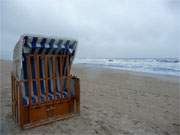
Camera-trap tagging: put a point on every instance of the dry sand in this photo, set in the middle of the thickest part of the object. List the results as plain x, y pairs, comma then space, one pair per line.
113, 102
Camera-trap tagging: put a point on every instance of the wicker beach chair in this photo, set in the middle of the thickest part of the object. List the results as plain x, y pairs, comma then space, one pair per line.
43, 89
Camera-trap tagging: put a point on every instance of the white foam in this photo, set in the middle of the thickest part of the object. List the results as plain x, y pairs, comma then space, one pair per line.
153, 65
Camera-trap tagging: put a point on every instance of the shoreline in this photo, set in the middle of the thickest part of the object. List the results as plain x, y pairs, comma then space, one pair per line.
164, 66
89, 66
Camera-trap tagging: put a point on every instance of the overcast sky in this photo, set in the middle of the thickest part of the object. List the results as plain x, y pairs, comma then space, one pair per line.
104, 28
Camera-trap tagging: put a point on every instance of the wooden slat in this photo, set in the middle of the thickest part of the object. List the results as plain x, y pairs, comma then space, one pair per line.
30, 84
37, 77
30, 79
60, 75
21, 106
58, 66
69, 58
46, 76
14, 101
26, 80
68, 79
17, 105
54, 76
77, 94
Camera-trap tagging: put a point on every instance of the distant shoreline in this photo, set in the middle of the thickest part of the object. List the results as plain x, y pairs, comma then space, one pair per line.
159, 66
125, 70
138, 73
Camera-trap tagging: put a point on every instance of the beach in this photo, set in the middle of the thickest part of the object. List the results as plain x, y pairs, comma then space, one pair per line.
113, 102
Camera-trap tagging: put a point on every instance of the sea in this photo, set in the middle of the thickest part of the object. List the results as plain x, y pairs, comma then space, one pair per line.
165, 66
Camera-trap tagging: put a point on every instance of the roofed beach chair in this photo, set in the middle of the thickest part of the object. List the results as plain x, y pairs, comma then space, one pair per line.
43, 89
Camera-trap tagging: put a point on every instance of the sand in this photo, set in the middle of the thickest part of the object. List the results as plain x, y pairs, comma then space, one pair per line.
113, 102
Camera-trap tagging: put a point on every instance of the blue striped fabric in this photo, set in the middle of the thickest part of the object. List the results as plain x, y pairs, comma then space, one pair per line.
46, 45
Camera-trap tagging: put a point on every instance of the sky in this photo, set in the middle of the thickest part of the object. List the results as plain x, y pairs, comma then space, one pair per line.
103, 28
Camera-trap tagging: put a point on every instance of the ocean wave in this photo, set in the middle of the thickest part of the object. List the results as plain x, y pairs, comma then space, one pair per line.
167, 66
169, 60
165, 69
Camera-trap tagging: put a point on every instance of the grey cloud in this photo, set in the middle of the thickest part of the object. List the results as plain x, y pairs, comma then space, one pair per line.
117, 28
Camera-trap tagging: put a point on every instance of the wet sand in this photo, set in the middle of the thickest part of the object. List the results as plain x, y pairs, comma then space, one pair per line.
113, 102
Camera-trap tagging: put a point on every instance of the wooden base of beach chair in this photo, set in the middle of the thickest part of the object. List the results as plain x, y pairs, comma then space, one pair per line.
28, 116
49, 120
40, 115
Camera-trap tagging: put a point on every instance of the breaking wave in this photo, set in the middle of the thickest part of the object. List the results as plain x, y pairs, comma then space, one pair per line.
166, 66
